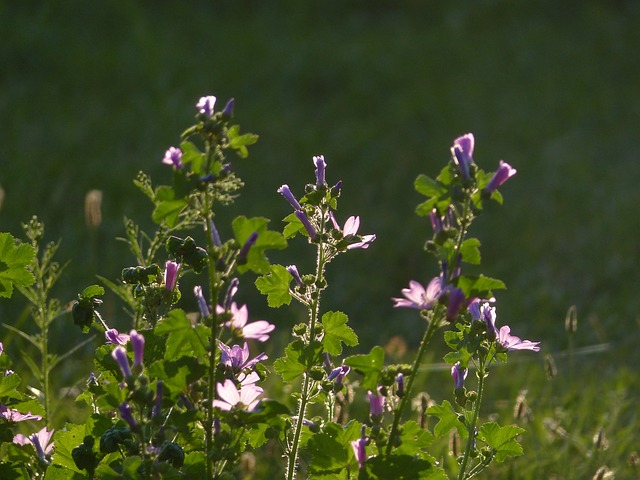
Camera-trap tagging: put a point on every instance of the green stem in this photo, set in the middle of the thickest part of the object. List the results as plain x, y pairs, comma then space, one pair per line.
471, 427
433, 325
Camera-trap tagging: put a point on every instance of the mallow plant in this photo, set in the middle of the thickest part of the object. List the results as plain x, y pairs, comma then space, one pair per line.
187, 394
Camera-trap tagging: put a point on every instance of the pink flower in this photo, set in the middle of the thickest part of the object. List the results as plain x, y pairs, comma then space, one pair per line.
350, 230
11, 415
40, 440
171, 275
416, 296
504, 173
231, 396
511, 342
258, 330
115, 338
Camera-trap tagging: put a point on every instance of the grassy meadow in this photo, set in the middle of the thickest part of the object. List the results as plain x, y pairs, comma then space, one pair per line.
90, 95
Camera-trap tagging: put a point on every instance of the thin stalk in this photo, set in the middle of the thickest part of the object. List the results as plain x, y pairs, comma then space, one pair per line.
471, 428
44, 348
314, 311
433, 325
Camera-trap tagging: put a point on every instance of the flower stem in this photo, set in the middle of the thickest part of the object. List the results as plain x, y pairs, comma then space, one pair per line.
471, 427
433, 325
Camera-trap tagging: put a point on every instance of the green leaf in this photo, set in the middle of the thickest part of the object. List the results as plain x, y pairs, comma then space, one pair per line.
297, 359
92, 291
183, 337
337, 332
414, 439
14, 263
9, 385
293, 226
56, 472
447, 420
470, 250
370, 365
401, 467
501, 439
13, 471
257, 261
429, 187
479, 286
168, 211
275, 286
239, 142
192, 155
65, 441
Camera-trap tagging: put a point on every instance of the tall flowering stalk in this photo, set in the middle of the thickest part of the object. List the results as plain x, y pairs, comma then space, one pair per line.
306, 357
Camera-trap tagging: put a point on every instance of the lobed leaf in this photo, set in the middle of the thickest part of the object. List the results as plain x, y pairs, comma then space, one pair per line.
337, 332
370, 365
14, 264
275, 285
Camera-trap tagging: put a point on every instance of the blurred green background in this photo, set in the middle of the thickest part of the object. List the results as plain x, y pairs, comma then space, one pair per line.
91, 93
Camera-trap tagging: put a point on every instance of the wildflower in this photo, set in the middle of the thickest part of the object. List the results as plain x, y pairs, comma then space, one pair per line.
350, 230
227, 111
504, 173
1, 348
170, 275
258, 330
320, 169
206, 104
231, 291
456, 300
510, 342
202, 303
359, 447
293, 270
237, 357
484, 312
462, 151
157, 403
376, 404
119, 354
115, 338
137, 342
127, 415
41, 441
215, 236
417, 297
307, 224
231, 396
400, 384
244, 251
459, 374
12, 415
436, 221
285, 191
337, 375
173, 156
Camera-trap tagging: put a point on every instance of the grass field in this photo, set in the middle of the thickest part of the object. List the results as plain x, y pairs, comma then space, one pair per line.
91, 95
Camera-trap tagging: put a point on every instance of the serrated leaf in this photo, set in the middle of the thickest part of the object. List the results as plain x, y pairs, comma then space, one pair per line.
14, 263
92, 291
479, 286
414, 439
447, 420
275, 286
65, 441
9, 385
56, 472
337, 332
192, 155
297, 359
183, 338
293, 226
257, 261
470, 250
401, 467
429, 187
168, 211
239, 142
501, 439
177, 375
370, 365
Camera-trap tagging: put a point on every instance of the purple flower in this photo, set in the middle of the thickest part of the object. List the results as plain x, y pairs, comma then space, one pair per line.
359, 448
459, 374
258, 330
215, 236
170, 275
231, 396
350, 230
418, 297
137, 342
227, 111
293, 270
504, 173
400, 384
237, 357
11, 415
285, 191
337, 375
436, 221
127, 415
115, 338
456, 300
307, 224
119, 354
320, 169
173, 156
157, 403
205, 105
40, 440
376, 404
244, 251
231, 291
202, 303
484, 312
510, 342
462, 151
